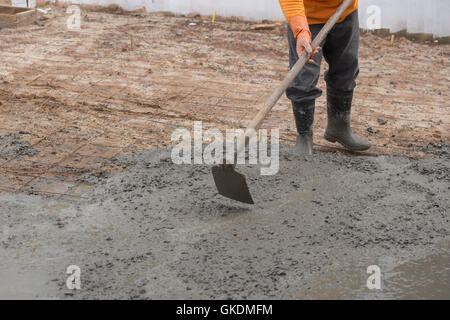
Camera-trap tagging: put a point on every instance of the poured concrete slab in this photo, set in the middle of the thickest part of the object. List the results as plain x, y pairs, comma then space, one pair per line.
12, 17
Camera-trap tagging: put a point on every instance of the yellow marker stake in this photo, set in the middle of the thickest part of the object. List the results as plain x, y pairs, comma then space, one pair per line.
392, 39
214, 17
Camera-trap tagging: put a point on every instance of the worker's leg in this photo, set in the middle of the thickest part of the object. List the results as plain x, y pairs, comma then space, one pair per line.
304, 87
341, 52
303, 91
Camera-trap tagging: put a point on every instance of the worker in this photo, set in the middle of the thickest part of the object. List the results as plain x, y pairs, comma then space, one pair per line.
340, 49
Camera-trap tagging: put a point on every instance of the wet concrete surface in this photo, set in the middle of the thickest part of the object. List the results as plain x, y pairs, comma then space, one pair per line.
159, 230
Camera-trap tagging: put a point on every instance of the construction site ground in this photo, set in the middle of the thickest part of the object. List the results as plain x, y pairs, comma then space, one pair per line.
72, 102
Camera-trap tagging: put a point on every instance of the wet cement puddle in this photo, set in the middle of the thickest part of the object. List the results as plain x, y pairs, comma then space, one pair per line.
424, 278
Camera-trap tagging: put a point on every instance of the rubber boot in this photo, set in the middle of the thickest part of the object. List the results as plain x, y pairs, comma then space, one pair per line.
304, 119
339, 104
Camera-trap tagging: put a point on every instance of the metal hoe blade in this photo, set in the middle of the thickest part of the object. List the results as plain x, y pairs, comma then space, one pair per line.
231, 184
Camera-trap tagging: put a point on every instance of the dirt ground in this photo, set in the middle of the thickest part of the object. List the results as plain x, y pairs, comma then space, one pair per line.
85, 173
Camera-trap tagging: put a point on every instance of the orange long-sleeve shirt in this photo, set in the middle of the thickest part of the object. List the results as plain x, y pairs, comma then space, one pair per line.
317, 11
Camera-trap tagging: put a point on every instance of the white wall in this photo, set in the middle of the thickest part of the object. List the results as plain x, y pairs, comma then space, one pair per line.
23, 3
250, 9
417, 16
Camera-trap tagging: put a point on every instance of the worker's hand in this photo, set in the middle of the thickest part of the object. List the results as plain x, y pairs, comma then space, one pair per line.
300, 28
304, 43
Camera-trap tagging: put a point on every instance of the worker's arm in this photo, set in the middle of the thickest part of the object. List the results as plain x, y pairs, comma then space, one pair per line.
294, 11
